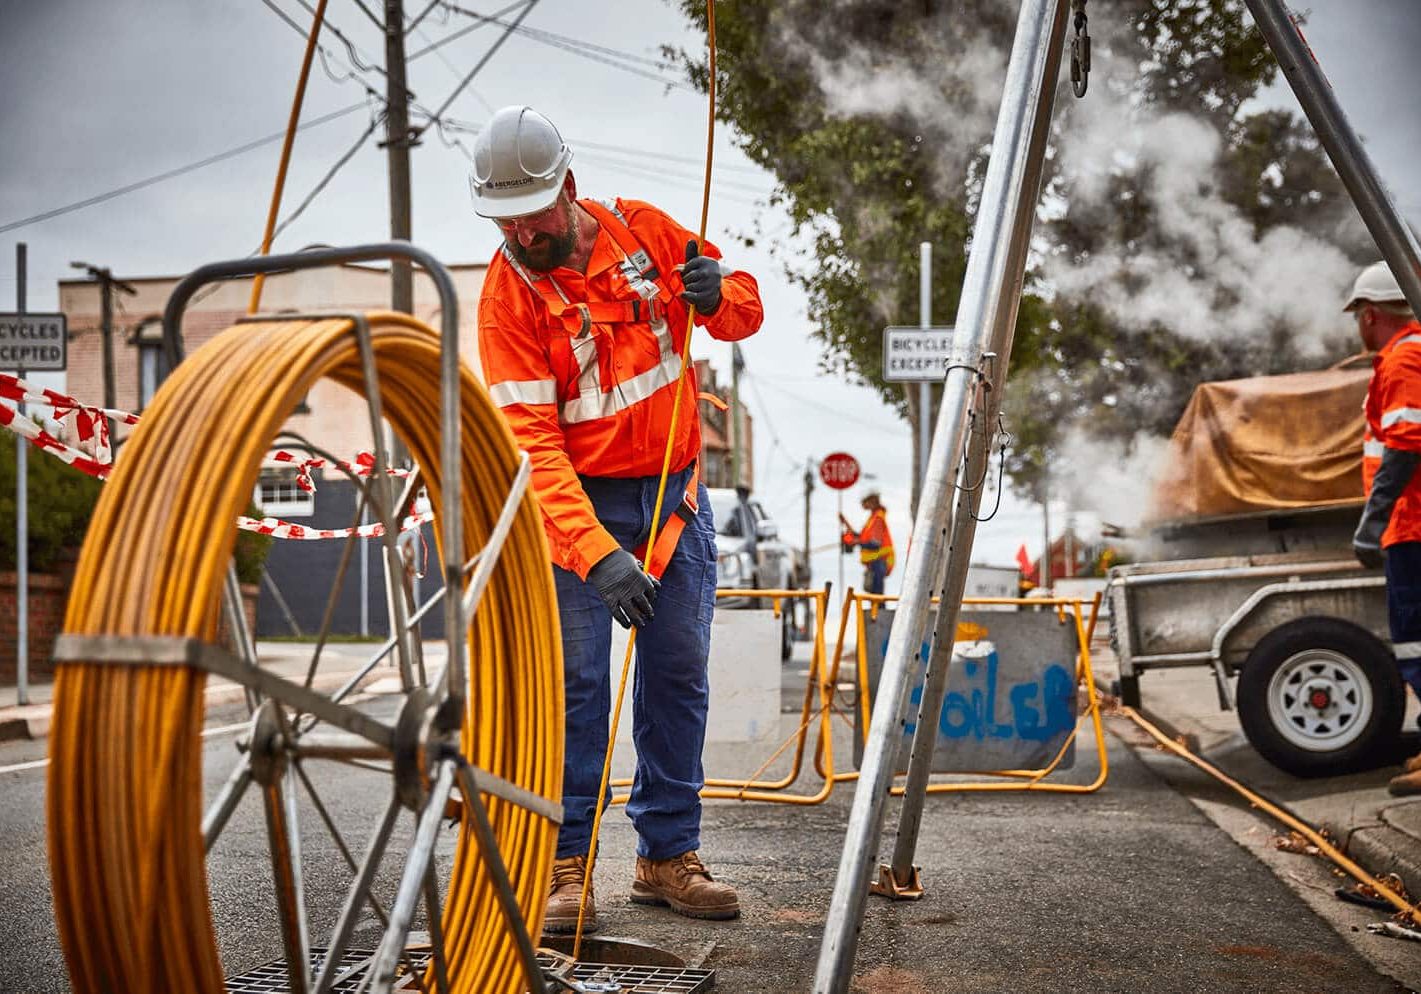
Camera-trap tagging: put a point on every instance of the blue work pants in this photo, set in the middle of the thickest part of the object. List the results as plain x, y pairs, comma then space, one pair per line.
670, 691
1403, 601
875, 575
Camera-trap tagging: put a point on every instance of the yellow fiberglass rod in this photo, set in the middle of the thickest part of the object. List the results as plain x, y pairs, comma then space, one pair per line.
660, 490
292, 122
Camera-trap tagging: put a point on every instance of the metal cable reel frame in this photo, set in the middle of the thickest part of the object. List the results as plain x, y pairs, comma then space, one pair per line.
127, 831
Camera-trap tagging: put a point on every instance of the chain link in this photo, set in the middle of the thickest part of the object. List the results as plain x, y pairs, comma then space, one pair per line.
1080, 51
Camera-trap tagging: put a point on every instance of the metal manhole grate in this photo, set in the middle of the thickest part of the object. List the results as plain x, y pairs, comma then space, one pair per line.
271, 978
644, 979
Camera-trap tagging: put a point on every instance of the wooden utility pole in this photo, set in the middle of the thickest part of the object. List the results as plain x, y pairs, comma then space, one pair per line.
808, 490
107, 284
737, 363
398, 139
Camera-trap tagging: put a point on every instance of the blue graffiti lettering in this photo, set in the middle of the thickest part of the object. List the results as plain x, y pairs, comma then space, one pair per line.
975, 714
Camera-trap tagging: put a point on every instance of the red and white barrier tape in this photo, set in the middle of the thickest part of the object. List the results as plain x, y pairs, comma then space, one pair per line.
92, 423
11, 418
364, 465
277, 528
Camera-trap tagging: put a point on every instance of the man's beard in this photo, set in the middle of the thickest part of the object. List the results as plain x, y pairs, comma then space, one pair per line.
547, 252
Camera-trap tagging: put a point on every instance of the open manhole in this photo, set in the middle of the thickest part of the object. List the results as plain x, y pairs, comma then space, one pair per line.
631, 967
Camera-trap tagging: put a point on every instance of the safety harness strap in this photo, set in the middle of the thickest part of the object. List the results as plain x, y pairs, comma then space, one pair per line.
636, 265
670, 535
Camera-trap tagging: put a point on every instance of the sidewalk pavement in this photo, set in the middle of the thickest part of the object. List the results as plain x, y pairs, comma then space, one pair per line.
339, 661
1381, 832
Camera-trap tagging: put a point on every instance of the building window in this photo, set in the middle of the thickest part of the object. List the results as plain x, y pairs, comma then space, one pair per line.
279, 497
153, 366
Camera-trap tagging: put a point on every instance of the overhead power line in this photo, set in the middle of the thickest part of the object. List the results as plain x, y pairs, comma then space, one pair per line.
456, 35
592, 147
542, 34
339, 164
826, 408
484, 60
414, 24
230, 153
211, 160
597, 53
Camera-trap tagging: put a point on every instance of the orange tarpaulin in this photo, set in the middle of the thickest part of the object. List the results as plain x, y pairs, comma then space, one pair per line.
1266, 443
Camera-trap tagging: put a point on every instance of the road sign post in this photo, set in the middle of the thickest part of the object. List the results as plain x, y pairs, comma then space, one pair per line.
925, 387
22, 500
28, 343
839, 471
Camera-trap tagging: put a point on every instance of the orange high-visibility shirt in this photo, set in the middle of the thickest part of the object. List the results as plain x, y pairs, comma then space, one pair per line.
875, 530
589, 392
1394, 421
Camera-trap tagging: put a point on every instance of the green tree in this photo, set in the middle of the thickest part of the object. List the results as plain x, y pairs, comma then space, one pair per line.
60, 502
60, 506
876, 117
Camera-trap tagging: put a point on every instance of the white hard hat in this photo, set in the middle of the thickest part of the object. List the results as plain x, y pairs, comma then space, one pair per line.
1375, 285
519, 164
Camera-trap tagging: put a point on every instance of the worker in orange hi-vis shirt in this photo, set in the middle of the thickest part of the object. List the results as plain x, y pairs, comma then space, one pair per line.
1389, 534
581, 325
874, 542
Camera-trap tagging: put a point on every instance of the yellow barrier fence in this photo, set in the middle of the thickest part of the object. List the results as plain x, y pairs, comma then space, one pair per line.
821, 693
1085, 622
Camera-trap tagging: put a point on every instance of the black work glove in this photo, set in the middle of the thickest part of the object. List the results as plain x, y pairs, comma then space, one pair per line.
1367, 542
701, 274
1393, 475
627, 591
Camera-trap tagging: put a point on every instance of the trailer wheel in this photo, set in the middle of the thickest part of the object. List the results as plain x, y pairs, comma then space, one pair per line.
1319, 697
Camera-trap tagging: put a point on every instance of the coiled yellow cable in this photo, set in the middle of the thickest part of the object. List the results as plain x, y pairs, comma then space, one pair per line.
125, 784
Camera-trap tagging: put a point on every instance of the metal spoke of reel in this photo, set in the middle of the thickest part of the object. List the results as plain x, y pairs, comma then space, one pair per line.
129, 830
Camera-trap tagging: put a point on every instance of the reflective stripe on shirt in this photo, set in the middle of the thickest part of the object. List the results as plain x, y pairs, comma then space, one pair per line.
593, 404
1411, 415
524, 392
1406, 650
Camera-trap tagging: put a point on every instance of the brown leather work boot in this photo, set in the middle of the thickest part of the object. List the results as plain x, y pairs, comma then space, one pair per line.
1405, 785
561, 916
683, 884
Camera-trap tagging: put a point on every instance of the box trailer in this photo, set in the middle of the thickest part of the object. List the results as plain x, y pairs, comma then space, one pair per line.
1270, 595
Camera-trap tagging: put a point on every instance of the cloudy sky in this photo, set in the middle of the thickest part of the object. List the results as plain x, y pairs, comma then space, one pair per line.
99, 96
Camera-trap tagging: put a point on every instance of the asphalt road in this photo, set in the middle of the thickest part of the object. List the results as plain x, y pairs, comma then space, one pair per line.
1133, 888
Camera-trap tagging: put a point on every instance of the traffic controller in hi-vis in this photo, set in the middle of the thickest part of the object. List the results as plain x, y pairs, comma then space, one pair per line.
839, 471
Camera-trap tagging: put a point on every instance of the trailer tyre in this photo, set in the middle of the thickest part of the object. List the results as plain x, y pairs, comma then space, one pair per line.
1319, 697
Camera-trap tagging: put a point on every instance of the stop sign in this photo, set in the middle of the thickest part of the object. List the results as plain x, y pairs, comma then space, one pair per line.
839, 471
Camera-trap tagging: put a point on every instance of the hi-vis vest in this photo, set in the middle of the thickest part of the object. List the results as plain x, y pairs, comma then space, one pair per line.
876, 530
586, 366
1394, 421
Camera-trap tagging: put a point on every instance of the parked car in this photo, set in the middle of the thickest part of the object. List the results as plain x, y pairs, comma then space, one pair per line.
750, 556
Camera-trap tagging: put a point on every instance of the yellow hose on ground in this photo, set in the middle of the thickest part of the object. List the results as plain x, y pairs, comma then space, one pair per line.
1411, 911
660, 498
125, 783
